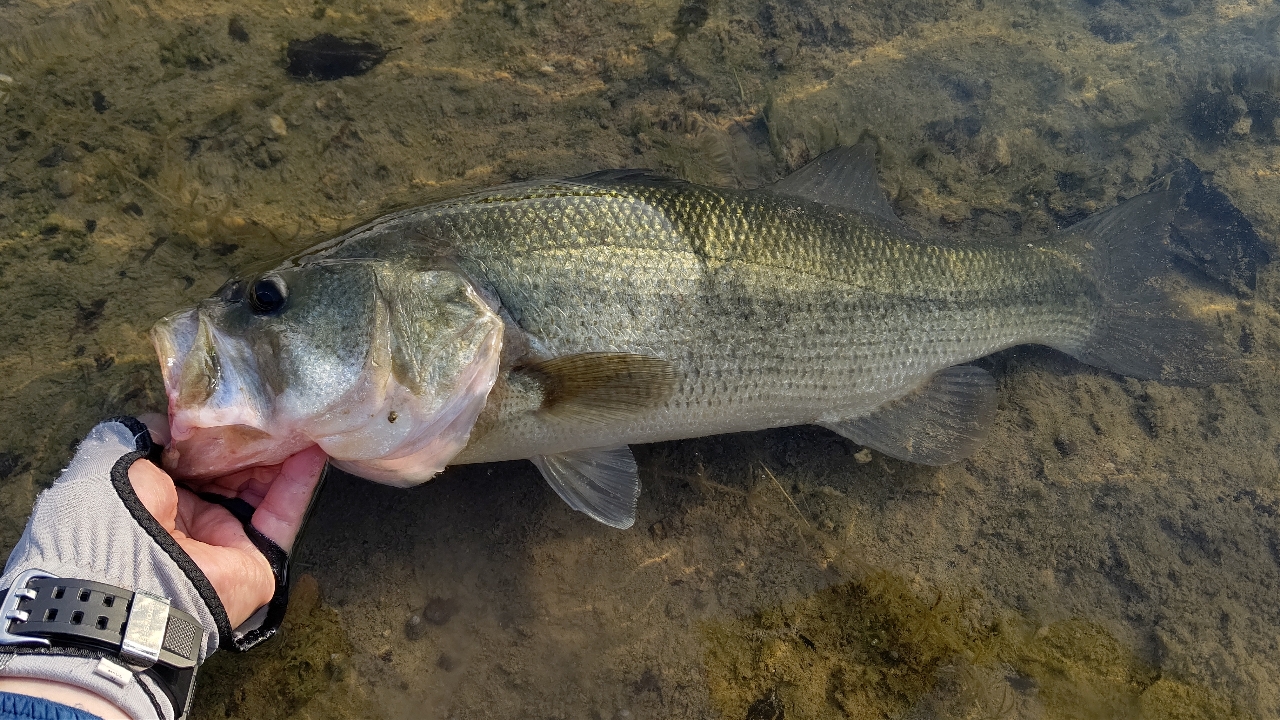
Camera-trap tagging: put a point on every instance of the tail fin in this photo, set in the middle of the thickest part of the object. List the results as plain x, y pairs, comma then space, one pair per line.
1141, 331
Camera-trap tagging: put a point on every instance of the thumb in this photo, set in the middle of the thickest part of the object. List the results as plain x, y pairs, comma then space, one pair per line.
156, 491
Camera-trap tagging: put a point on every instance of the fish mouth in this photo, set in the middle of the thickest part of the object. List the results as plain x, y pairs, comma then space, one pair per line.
214, 416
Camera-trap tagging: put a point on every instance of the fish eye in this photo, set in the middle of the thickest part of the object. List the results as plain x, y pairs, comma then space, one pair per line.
267, 295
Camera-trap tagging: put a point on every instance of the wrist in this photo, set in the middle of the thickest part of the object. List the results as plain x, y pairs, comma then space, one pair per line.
70, 695
79, 674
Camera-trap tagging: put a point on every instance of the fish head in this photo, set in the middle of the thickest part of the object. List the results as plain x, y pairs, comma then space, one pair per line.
383, 365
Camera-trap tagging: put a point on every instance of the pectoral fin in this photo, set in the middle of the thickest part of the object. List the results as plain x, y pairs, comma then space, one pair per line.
942, 421
602, 387
601, 482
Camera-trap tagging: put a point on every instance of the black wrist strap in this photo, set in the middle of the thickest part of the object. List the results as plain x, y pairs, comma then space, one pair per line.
136, 631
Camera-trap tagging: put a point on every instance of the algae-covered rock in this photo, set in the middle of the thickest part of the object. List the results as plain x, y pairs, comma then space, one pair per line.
877, 648
1172, 700
1082, 671
868, 648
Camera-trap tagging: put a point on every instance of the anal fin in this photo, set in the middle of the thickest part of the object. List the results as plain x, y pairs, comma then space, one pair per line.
938, 423
601, 482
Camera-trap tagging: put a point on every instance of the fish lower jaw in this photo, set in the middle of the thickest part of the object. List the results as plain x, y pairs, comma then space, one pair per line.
210, 452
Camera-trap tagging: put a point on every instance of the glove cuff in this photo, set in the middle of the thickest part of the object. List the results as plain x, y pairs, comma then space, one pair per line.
140, 697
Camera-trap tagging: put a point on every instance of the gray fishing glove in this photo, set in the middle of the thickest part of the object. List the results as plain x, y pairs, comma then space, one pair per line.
101, 596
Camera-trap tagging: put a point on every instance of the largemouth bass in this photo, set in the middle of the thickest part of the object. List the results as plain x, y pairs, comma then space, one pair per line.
561, 321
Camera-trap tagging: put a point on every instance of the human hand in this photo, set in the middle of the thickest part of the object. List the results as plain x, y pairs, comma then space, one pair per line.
115, 519
212, 537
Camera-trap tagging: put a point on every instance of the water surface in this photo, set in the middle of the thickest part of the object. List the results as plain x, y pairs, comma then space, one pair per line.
1112, 552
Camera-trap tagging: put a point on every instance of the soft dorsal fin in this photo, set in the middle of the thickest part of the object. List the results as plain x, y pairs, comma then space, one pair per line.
938, 423
601, 386
601, 482
843, 178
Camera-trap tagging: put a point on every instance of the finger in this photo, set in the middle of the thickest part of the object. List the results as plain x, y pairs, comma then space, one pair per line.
158, 425
255, 491
156, 492
241, 577
282, 510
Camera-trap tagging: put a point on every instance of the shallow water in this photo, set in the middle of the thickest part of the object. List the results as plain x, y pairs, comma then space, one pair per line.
1112, 552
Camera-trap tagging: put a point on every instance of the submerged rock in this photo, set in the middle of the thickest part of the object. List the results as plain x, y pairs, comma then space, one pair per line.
329, 57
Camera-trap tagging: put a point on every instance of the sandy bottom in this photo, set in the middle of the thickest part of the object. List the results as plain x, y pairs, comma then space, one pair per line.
1112, 552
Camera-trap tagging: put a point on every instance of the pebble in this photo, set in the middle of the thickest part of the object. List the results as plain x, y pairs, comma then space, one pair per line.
53, 158
414, 628
658, 531
63, 223
277, 125
326, 57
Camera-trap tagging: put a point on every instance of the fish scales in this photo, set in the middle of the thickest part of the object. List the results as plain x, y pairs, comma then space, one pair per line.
775, 311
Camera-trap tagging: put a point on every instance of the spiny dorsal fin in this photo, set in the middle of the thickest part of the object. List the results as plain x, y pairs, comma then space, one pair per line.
625, 175
842, 178
601, 482
938, 423
602, 386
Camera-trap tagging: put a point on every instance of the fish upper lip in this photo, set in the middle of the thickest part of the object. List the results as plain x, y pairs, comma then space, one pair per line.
174, 338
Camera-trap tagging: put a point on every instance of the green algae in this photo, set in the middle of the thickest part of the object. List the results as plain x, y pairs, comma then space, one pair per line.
1084, 673
875, 647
